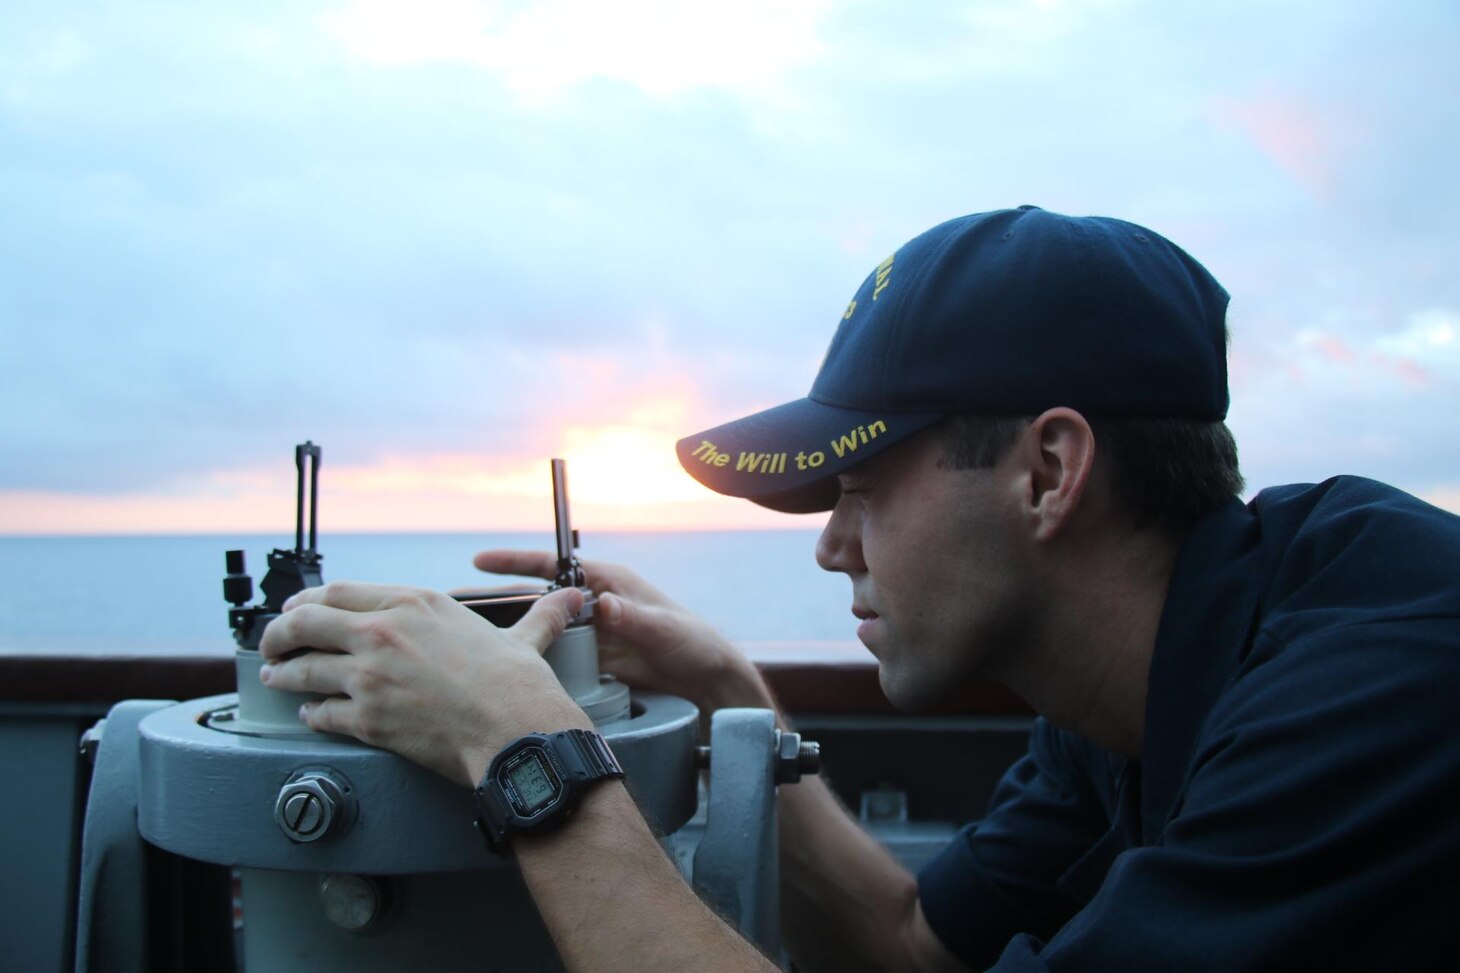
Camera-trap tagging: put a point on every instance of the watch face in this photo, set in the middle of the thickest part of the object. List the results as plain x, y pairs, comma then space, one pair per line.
529, 781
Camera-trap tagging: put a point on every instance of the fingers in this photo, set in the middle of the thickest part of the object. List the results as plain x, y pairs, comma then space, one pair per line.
531, 564
307, 625
600, 575
639, 623
310, 672
332, 715
549, 617
353, 596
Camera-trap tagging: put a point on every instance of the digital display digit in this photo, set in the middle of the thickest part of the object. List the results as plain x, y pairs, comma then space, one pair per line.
533, 782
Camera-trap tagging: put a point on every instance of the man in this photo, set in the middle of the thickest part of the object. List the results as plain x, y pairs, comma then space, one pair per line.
1245, 757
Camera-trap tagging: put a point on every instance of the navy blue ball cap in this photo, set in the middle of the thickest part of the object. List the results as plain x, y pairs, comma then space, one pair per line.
1004, 313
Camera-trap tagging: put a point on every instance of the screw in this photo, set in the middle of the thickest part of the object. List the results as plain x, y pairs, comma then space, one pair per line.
303, 814
808, 759
795, 758
310, 806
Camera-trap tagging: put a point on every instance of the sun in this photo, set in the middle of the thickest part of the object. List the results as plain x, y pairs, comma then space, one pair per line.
625, 466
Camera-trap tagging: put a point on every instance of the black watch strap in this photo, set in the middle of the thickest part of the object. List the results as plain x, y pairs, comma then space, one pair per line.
594, 759
577, 758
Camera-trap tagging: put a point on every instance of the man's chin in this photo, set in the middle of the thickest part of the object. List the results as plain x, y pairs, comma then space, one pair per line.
907, 695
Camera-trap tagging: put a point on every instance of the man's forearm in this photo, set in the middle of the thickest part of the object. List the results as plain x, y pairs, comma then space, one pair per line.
613, 900
846, 903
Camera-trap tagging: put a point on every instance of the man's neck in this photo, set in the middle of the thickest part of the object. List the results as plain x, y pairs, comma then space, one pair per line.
1090, 667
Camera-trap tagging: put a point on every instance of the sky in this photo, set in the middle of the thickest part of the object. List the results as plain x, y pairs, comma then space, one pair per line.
448, 240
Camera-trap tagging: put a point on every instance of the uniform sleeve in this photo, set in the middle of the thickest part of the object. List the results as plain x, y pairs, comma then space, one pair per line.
1316, 829
1002, 876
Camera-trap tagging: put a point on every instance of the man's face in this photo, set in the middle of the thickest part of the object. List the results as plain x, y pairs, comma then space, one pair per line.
939, 567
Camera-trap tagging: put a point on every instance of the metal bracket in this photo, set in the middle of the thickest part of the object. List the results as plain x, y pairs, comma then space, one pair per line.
111, 921
737, 864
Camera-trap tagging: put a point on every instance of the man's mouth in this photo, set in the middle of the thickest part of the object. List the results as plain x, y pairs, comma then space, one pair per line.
868, 618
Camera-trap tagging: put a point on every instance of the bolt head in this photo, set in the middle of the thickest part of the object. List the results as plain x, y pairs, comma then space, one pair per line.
788, 757
309, 807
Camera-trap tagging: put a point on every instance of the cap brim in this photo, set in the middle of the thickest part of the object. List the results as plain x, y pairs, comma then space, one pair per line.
788, 458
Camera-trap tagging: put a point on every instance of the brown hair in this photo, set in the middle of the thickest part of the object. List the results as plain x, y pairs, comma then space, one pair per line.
1165, 473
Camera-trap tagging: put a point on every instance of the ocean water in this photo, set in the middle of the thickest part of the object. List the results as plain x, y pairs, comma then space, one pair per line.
164, 593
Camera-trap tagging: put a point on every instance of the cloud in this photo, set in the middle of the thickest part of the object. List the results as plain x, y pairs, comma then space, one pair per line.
1348, 397
1029, 36
1433, 333
1418, 356
662, 47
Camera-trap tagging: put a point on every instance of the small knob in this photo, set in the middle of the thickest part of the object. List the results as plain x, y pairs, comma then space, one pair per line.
353, 902
237, 585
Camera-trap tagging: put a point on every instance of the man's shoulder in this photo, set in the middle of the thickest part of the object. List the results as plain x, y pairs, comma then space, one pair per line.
1350, 554
1315, 506
1355, 542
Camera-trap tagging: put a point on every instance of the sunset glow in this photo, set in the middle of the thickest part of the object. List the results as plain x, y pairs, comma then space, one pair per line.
390, 498
620, 477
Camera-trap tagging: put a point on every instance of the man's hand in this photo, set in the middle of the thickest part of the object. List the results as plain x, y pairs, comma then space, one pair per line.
646, 639
415, 672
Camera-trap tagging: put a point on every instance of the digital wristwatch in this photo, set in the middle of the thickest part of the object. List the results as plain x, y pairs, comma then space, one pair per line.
536, 782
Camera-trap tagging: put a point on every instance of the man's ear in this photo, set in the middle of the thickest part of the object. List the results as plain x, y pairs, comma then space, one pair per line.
1061, 456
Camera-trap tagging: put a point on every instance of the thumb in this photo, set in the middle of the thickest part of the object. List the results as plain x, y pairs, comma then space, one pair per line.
549, 617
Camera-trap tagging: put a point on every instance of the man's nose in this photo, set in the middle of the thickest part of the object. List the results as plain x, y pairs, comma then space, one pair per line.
840, 546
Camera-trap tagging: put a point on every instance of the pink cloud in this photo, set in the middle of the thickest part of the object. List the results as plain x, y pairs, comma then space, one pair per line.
1290, 131
1410, 373
1333, 348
